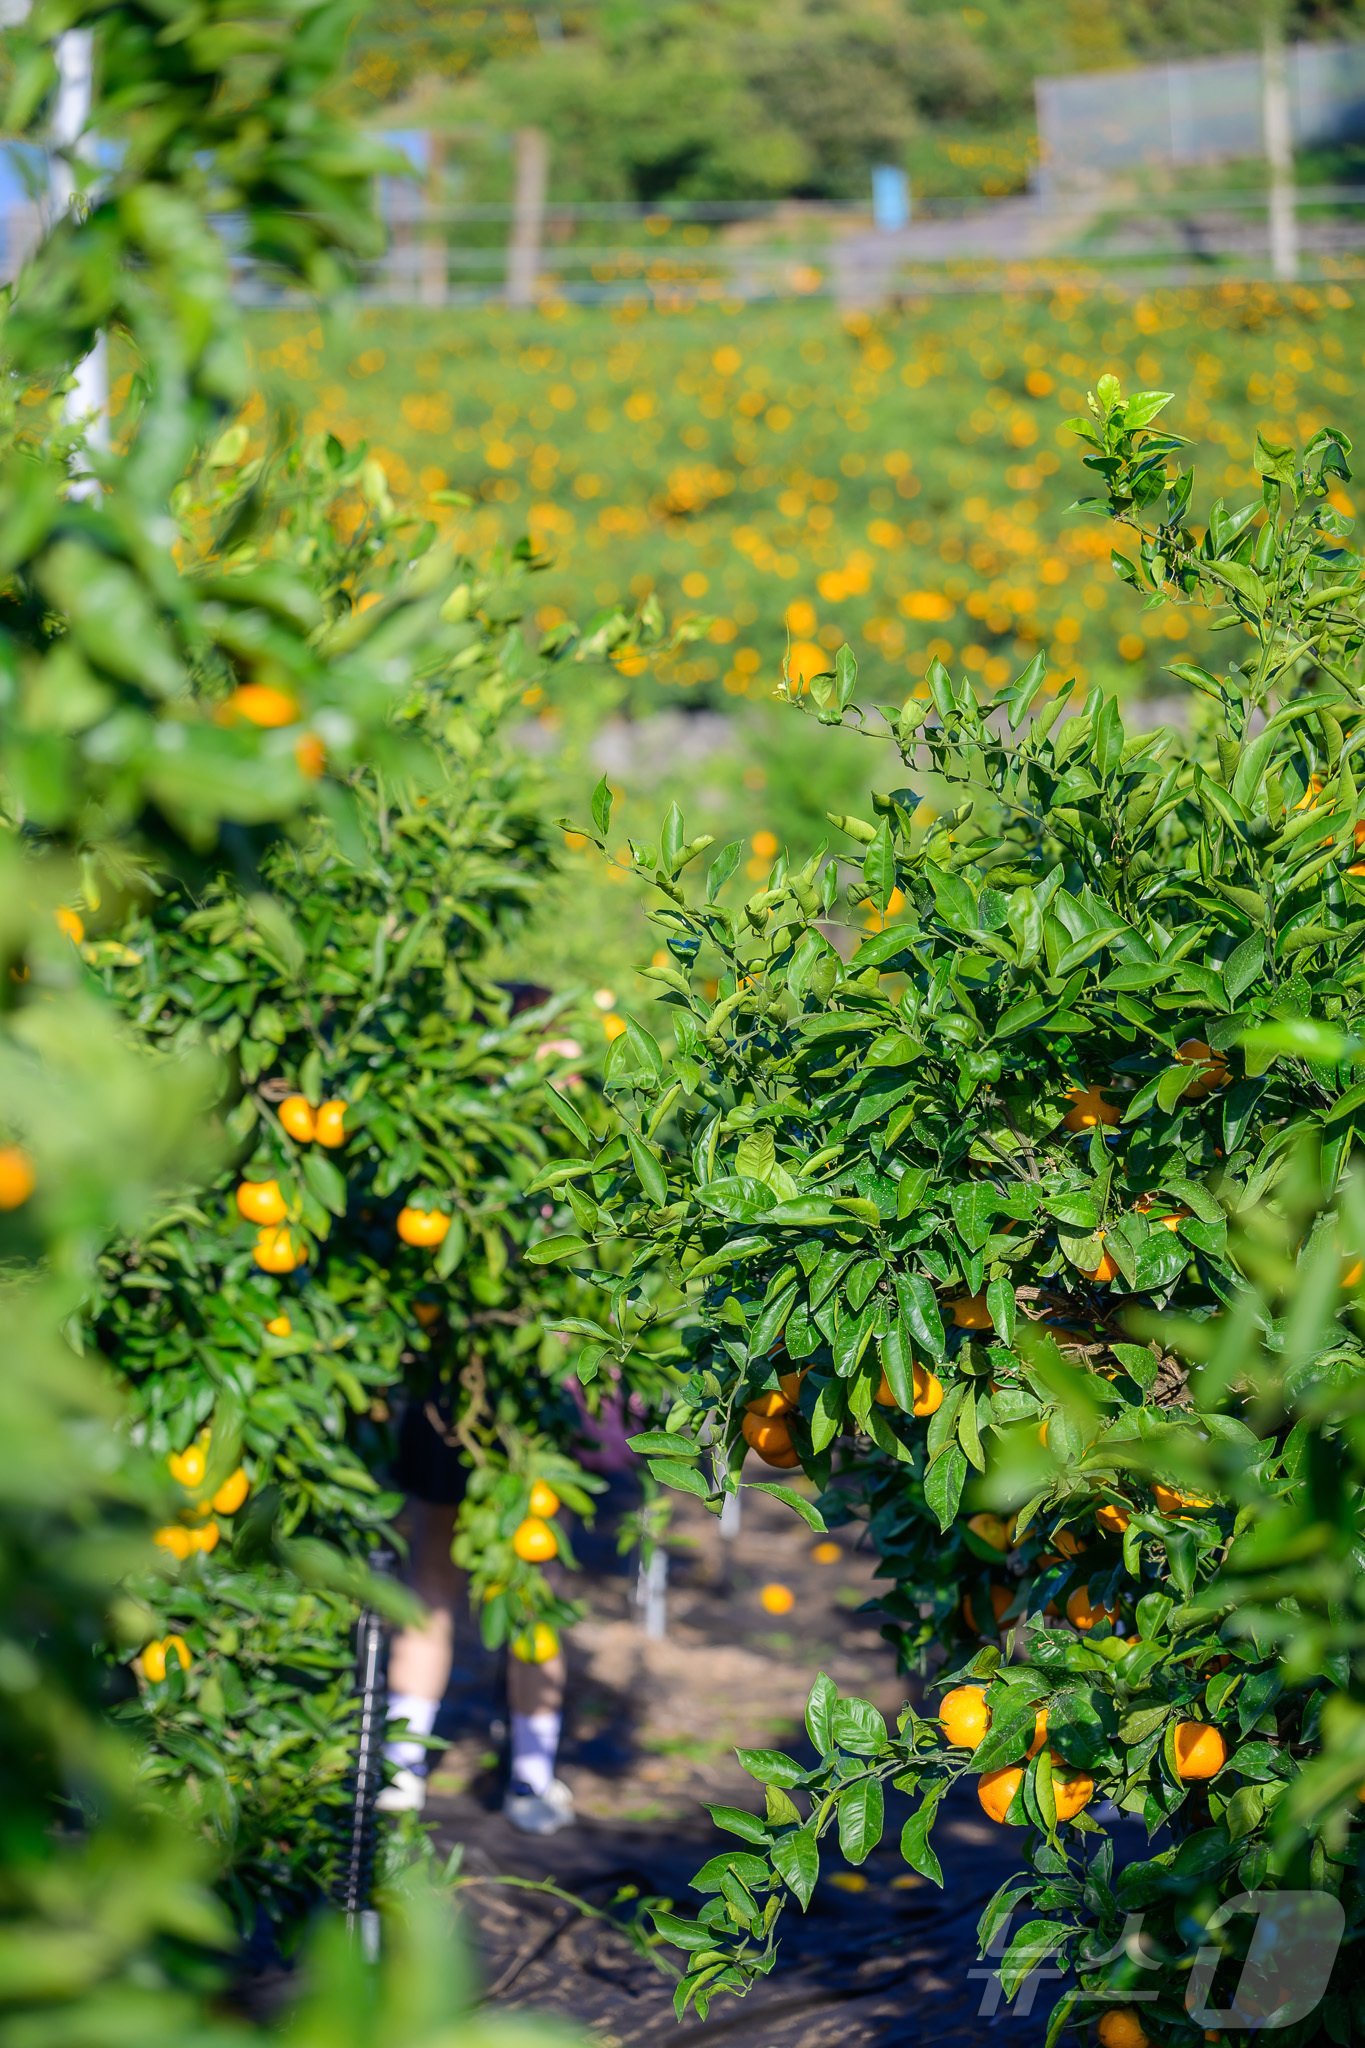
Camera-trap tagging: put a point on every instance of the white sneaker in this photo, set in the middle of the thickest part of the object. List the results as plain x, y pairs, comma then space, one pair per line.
539, 1813
406, 1792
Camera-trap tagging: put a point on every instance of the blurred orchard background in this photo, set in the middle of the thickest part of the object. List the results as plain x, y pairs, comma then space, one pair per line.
773, 316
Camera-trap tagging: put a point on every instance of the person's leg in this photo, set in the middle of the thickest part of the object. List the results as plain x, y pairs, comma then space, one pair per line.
535, 1700
420, 1657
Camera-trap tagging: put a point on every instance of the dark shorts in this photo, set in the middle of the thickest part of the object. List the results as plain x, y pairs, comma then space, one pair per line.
426, 1466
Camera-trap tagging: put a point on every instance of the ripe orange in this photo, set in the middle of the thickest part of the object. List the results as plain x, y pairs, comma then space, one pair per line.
790, 1383
544, 1500
1200, 1751
187, 1467
771, 1437
1071, 1790
259, 704
536, 1645
71, 922
1213, 1068
415, 1226
997, 1789
206, 1538
826, 1553
1172, 1501
260, 1201
1171, 1220
178, 1541
17, 1179
331, 1125
1105, 1271
1083, 1613
994, 1530
231, 1493
1089, 1108
1000, 1600
1067, 1542
964, 1716
534, 1541
280, 1326
775, 1599
311, 755
969, 1312
1039, 1731
156, 1657
1111, 1519
1122, 2028
1351, 1277
277, 1251
772, 1403
927, 1388
296, 1115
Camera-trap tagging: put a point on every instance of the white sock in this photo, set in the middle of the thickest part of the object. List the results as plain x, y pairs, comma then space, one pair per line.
420, 1715
535, 1743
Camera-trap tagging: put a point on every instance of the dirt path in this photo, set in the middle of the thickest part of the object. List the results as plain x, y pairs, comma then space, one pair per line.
881, 1958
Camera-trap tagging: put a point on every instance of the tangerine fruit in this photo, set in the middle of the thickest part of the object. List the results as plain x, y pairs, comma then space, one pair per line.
232, 1492
1089, 1109
259, 704
17, 1179
1200, 1750
997, 1789
277, 1251
330, 1125
1083, 1613
1213, 1068
425, 1227
544, 1500
964, 1716
296, 1115
534, 1541
260, 1201
536, 1645
771, 1437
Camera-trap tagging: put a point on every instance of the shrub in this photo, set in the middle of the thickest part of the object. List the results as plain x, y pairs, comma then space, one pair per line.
1015, 1199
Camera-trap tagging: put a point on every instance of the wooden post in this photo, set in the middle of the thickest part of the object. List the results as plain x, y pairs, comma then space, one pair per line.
532, 152
1278, 131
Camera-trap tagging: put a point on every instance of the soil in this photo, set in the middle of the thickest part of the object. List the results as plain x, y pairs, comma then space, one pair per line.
882, 1957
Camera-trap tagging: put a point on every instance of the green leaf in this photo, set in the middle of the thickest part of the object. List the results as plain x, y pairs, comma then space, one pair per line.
796, 1859
601, 808
879, 866
550, 1249
1030, 1946
862, 1816
807, 1509
943, 1484
820, 1713
649, 1167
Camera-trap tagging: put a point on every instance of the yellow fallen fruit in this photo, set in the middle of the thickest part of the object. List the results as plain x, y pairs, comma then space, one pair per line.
826, 1553
775, 1599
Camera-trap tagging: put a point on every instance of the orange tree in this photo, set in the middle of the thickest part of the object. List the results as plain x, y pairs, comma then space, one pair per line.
1018, 1224
389, 1105
115, 656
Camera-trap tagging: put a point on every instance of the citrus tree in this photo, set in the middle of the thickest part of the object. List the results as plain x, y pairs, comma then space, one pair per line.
118, 653
389, 1105
1011, 1173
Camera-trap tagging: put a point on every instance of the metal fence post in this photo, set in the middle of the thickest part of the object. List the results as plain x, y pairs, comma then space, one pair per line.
356, 1887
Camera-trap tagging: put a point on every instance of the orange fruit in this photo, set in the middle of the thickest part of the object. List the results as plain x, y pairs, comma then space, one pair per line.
231, 1493
1000, 1600
969, 1312
331, 1125
1039, 1731
992, 1529
1105, 1271
771, 1437
280, 1326
1213, 1069
1071, 1790
534, 1540
187, 1467
296, 1115
772, 1403
536, 1645
205, 1538
1089, 1108
996, 1789
826, 1553
790, 1383
178, 1541
276, 1251
1068, 1542
1171, 1220
927, 1388
964, 1716
176, 1646
1122, 2028
1111, 1519
17, 1180
775, 1599
544, 1500
1352, 1276
1172, 1501
259, 704
260, 1201
1200, 1751
71, 922
310, 755
153, 1662
416, 1226
1082, 1612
